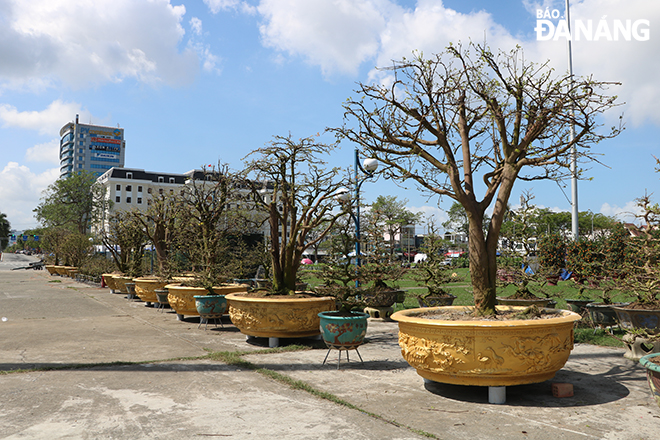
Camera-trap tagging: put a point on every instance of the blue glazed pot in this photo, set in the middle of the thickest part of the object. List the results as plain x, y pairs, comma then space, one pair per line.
211, 306
343, 332
652, 374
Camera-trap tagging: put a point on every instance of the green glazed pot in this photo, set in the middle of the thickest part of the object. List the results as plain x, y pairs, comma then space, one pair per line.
343, 332
652, 374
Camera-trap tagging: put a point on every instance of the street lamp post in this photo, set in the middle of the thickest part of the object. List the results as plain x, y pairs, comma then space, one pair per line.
574, 184
367, 168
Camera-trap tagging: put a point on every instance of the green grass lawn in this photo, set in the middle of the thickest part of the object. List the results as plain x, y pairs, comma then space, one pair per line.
584, 333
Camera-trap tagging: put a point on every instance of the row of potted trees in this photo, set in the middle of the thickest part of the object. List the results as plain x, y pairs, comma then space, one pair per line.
447, 122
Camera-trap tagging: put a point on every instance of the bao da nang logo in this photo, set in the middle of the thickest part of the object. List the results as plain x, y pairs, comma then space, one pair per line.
589, 30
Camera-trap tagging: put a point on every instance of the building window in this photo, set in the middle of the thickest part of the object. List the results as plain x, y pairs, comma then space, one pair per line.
129, 175
160, 190
139, 188
161, 179
128, 200
118, 188
171, 179
171, 191
129, 188
117, 199
148, 190
139, 200
149, 202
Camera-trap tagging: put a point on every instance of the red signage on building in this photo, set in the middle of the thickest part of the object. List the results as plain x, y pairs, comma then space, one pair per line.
106, 141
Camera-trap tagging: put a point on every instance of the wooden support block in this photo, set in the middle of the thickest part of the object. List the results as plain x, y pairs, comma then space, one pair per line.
562, 389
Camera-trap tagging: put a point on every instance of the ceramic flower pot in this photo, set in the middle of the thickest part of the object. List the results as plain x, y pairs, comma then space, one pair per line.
61, 270
601, 314
182, 298
436, 301
109, 280
485, 352
578, 305
52, 269
380, 298
211, 306
652, 374
343, 332
145, 288
278, 317
120, 283
641, 319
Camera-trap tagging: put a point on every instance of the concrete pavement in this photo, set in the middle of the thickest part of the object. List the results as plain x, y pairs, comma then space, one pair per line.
52, 321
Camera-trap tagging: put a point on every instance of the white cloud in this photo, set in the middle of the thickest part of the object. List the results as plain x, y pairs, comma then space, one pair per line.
340, 35
633, 63
337, 35
48, 152
220, 5
196, 25
430, 214
625, 214
20, 193
216, 6
44, 42
48, 121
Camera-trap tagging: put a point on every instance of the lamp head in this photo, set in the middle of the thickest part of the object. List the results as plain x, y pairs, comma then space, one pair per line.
370, 165
342, 195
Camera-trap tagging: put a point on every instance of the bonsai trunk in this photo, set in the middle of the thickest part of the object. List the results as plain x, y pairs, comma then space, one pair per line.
159, 242
483, 248
483, 268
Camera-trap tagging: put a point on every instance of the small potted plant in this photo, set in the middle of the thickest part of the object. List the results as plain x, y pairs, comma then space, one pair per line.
524, 279
345, 328
579, 303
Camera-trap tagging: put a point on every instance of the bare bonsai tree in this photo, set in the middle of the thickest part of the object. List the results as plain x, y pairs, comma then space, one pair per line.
470, 114
289, 180
159, 223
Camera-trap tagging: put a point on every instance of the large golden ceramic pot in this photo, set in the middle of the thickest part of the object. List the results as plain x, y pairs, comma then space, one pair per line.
278, 317
182, 298
120, 283
61, 270
109, 280
145, 288
485, 353
52, 269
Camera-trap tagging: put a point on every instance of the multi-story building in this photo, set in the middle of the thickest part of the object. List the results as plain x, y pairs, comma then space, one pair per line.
92, 148
133, 188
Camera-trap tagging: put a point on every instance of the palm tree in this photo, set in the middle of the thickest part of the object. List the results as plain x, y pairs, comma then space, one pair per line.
5, 227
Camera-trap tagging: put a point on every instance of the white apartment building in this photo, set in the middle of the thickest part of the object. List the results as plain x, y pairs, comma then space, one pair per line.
134, 188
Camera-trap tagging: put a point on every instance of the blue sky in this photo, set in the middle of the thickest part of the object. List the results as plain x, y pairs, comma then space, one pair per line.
195, 82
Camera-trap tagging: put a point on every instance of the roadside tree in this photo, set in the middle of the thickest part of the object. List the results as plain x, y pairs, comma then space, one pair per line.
5, 228
73, 202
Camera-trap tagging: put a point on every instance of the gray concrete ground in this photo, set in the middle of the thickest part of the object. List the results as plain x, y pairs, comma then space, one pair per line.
51, 321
